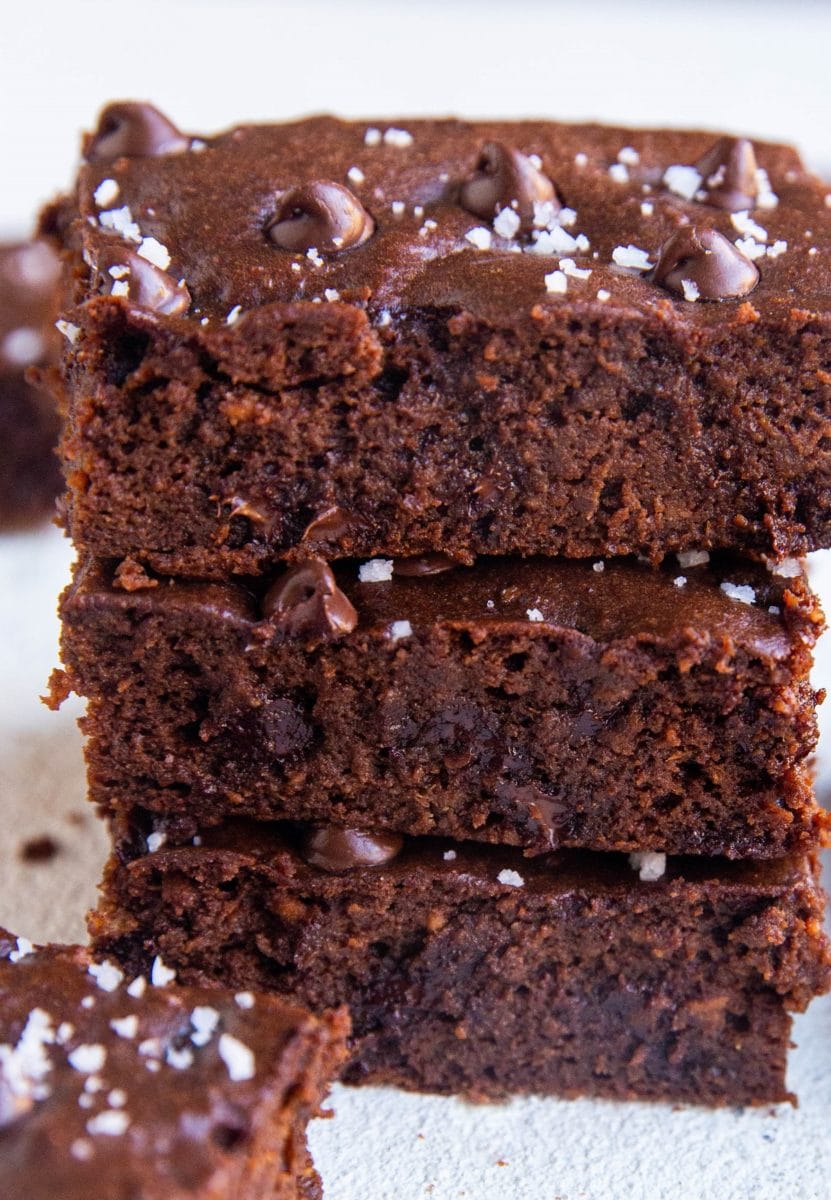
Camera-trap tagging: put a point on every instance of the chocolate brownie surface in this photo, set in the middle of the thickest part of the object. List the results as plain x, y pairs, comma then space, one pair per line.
532, 702
469, 969
114, 1087
30, 477
516, 337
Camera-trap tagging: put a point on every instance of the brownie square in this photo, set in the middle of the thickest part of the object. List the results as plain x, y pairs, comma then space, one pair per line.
496, 338
114, 1086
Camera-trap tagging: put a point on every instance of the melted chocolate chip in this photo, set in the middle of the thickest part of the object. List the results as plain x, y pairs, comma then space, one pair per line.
728, 172
147, 285
334, 849
423, 564
305, 600
504, 178
706, 259
550, 815
133, 130
321, 215
328, 526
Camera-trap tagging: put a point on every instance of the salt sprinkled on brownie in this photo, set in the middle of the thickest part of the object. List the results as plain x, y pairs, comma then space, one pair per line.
372, 137
628, 155
106, 193
398, 208
26, 1065
479, 237
121, 221
355, 175
125, 1027
632, 258
580, 159
510, 878
692, 558
742, 592
156, 840
603, 295
155, 252
160, 975
650, 864
110, 1122
506, 223
570, 268
106, 974
690, 288
765, 197
137, 988
680, 581
377, 570
68, 330
204, 1020
237, 1058
619, 172
683, 181
398, 137
647, 208
179, 1059
331, 294
88, 1058
314, 257
742, 222
778, 247
599, 567
449, 856
234, 315
534, 614
244, 999
24, 949
789, 568
399, 630
556, 282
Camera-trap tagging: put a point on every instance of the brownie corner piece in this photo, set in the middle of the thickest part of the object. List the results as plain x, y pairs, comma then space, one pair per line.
470, 337
114, 1086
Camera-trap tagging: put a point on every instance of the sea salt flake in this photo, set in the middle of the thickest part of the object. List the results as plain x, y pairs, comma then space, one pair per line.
88, 1058
552, 241
599, 567
751, 248
567, 217
479, 237
556, 282
355, 175
398, 137
117, 1098
106, 974
204, 1020
160, 975
428, 227
580, 159
156, 840
603, 295
399, 630
765, 196
628, 155
25, 1065
69, 331
93, 1084
64, 1033
742, 592
372, 137
570, 268
237, 1058
398, 208
510, 878
24, 949
680, 581
534, 614
331, 294
137, 988
778, 247
150, 1048
154, 252
743, 223
180, 1060
120, 220
506, 223
119, 271
314, 257
120, 288
106, 193
110, 1123
449, 856
690, 289
682, 181
244, 999
619, 172
788, 568
647, 208
377, 570
125, 1027
82, 1149
631, 257
650, 864
88, 1002
692, 558
774, 609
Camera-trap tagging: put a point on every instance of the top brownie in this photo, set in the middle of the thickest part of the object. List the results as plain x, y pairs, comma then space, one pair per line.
359, 338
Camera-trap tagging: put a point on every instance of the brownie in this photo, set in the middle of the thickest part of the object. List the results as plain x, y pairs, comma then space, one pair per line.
534, 702
116, 1087
469, 969
30, 477
396, 338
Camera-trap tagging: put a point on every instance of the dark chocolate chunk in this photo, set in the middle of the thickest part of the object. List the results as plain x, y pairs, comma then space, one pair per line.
707, 260
133, 130
423, 564
39, 849
335, 849
306, 600
320, 215
728, 171
332, 523
505, 178
123, 271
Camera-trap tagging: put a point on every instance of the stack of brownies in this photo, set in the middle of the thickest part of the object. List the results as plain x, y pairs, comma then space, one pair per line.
439, 490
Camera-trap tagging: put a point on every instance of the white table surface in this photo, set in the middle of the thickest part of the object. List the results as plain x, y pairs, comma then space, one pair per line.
754, 67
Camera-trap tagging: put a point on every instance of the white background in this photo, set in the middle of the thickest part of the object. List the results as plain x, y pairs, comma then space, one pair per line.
752, 67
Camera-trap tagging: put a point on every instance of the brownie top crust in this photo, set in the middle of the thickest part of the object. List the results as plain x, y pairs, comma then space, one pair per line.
505, 220
29, 288
115, 1087
747, 605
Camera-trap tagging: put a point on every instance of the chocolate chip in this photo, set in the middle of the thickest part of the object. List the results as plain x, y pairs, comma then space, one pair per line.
330, 525
133, 130
333, 848
505, 178
305, 600
728, 172
39, 849
321, 215
423, 564
123, 272
707, 261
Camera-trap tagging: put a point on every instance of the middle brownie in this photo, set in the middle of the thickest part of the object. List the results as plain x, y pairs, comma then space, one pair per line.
539, 703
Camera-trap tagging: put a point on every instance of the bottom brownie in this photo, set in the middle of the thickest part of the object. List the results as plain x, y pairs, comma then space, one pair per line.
470, 969
128, 1089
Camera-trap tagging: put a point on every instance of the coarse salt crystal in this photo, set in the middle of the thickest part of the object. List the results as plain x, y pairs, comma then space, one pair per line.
180, 1060
120, 288
580, 159
399, 630
534, 614
125, 1027
628, 155
647, 208
619, 172
690, 288
117, 1098
567, 217
742, 592
683, 181
106, 193
680, 581
428, 227
331, 294
766, 197
649, 864
397, 137
692, 558
506, 223
553, 241
510, 878
244, 999
556, 282
156, 840
88, 1058
24, 949
204, 1020
69, 331
398, 207
64, 1033
372, 137
106, 974
479, 237
121, 221
778, 247
93, 1084
789, 568
237, 1058
154, 252
150, 1048
82, 1149
570, 268
137, 988
603, 295
449, 856
355, 175
314, 257
377, 570
774, 609
25, 1065
599, 567
119, 271
751, 248
744, 224
631, 257
160, 975
110, 1122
